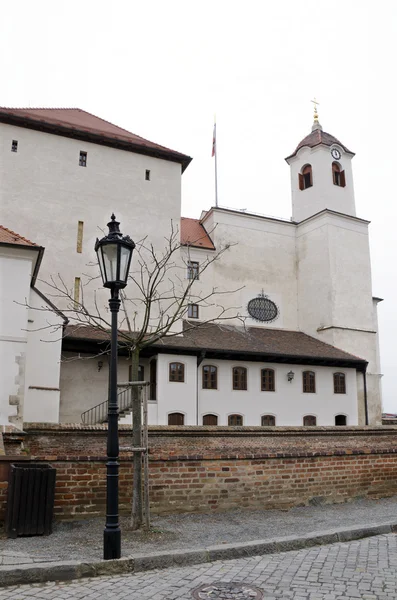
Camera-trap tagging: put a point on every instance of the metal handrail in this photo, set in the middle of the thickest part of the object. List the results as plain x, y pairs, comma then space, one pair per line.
99, 413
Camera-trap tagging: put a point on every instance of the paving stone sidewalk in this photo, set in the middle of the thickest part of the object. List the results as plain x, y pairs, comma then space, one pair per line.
82, 540
365, 569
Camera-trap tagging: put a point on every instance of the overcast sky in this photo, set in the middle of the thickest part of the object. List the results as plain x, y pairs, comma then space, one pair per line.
161, 69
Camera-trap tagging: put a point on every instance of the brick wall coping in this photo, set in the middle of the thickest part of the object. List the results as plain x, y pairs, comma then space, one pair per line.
214, 431
222, 456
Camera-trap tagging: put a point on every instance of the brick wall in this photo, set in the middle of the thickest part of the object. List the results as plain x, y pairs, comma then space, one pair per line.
200, 469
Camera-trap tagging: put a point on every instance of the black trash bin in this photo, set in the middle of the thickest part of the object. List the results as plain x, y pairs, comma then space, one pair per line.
30, 502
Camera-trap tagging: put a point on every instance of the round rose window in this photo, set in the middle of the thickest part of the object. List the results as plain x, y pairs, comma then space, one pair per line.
262, 309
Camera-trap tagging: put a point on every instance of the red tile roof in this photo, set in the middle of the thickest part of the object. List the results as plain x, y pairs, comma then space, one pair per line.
10, 237
194, 234
317, 137
79, 122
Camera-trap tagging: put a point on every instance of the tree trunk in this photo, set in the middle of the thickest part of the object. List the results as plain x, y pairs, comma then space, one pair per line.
136, 514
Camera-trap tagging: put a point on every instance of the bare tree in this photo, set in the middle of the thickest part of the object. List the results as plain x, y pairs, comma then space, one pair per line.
162, 285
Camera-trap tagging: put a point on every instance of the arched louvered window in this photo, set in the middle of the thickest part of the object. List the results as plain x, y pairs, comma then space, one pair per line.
309, 382
268, 421
239, 378
306, 177
338, 176
268, 382
309, 421
210, 420
210, 377
339, 383
235, 420
340, 420
177, 372
176, 418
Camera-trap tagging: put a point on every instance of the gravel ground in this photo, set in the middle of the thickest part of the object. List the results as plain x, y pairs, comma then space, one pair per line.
82, 540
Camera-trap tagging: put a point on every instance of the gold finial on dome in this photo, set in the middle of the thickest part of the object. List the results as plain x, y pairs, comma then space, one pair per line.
315, 110
316, 123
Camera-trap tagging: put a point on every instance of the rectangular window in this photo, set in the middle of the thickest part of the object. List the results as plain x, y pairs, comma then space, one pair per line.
147, 174
309, 382
83, 159
177, 372
339, 383
76, 291
14, 146
192, 269
210, 377
193, 311
80, 227
268, 382
239, 378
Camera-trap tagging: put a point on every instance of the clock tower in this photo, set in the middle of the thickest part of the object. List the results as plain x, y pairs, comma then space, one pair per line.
321, 175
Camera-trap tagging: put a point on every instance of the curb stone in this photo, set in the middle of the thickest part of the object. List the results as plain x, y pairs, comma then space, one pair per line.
68, 570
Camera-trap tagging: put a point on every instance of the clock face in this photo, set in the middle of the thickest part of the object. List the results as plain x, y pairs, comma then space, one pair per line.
335, 153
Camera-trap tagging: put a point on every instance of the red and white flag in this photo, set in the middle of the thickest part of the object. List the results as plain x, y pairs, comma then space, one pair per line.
214, 141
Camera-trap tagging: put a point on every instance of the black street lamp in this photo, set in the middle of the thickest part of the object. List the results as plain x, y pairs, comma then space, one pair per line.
114, 253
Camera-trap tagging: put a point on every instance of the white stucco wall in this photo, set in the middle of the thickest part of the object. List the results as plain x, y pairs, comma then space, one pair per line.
323, 194
29, 350
335, 293
175, 396
261, 257
15, 274
44, 193
83, 387
43, 362
287, 403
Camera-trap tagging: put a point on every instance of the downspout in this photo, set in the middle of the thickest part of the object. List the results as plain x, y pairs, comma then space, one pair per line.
200, 359
365, 396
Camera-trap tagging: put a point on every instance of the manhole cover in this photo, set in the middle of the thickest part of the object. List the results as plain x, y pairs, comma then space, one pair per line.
227, 591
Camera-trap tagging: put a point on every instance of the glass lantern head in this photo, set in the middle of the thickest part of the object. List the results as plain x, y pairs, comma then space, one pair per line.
114, 252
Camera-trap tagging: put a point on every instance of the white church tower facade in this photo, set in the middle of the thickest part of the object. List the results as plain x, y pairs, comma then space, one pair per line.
335, 302
321, 168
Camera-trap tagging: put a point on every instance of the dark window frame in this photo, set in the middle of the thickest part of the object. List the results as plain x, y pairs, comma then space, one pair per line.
14, 146
268, 380
177, 374
147, 175
210, 378
339, 383
270, 418
193, 311
305, 177
210, 416
83, 159
340, 424
309, 421
309, 382
176, 416
235, 417
338, 175
240, 378
193, 269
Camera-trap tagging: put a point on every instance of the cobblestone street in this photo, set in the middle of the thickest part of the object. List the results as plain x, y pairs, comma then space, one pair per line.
365, 569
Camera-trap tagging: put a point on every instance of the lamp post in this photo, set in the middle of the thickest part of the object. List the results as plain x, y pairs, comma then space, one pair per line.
114, 253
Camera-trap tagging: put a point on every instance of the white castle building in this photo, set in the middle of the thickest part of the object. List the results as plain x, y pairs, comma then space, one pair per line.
308, 352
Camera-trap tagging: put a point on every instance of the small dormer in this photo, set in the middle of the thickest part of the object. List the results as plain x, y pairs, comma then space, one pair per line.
321, 175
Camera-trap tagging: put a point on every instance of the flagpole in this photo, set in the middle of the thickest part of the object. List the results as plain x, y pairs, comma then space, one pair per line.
215, 154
